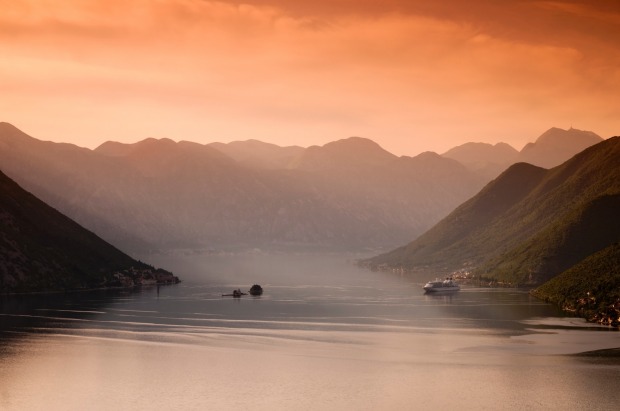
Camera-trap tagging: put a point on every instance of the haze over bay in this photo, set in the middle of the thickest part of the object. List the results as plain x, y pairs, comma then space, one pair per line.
326, 205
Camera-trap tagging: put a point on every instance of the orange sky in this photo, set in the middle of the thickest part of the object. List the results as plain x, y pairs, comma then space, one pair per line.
411, 75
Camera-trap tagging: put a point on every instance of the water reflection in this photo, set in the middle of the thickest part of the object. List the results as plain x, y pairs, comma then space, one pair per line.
445, 298
324, 335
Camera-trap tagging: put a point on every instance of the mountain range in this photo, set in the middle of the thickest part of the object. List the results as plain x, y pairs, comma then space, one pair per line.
159, 194
526, 227
529, 224
551, 149
43, 250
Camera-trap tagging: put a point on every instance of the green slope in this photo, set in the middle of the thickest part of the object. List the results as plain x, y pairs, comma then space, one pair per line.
591, 288
41, 249
519, 213
461, 237
586, 230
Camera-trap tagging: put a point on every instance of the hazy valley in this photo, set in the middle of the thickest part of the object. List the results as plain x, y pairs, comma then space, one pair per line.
158, 194
524, 227
355, 205
346, 195
327, 321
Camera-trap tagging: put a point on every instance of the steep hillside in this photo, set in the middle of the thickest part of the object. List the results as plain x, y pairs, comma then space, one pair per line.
563, 243
461, 238
42, 250
76, 181
525, 226
590, 289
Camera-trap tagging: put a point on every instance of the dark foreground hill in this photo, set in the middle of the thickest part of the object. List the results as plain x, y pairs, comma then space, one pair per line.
529, 224
43, 250
590, 289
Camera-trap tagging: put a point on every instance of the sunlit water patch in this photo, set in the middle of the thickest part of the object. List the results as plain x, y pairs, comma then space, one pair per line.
324, 335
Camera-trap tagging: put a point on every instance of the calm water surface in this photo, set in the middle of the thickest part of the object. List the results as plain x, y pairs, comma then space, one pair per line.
324, 335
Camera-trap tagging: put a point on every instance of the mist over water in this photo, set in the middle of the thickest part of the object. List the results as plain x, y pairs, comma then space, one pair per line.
324, 335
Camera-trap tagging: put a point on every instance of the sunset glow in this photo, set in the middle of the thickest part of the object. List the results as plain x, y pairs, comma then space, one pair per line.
411, 75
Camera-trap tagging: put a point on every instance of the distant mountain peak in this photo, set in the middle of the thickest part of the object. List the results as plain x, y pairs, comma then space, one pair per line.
503, 145
7, 126
258, 154
160, 142
355, 140
427, 155
485, 158
114, 148
480, 150
359, 143
343, 154
358, 146
556, 145
572, 134
8, 129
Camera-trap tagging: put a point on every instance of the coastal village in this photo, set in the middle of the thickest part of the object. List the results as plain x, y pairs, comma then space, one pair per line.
134, 277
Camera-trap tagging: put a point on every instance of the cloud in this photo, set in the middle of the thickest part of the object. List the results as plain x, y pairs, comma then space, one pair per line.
270, 71
601, 11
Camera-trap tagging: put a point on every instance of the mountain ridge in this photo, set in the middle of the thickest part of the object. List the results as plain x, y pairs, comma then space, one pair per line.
43, 250
161, 194
550, 149
258, 154
158, 194
547, 197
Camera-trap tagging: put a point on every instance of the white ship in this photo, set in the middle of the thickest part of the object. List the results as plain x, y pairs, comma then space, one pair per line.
441, 285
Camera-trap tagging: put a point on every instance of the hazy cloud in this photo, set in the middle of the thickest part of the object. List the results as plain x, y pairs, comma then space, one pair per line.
410, 75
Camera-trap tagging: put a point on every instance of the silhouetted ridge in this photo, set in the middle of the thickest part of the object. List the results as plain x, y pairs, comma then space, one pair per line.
41, 249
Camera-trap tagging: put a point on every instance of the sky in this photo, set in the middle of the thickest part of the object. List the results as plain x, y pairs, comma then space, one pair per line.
411, 75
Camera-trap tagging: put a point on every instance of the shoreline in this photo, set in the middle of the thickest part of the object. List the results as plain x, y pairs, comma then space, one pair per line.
82, 290
603, 353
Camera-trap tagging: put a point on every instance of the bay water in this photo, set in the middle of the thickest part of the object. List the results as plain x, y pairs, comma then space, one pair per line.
325, 335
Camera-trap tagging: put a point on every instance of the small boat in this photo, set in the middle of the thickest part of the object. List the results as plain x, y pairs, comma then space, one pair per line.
236, 293
256, 290
441, 285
